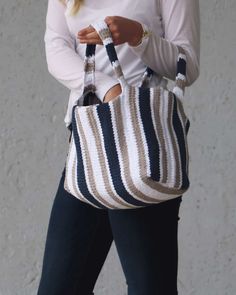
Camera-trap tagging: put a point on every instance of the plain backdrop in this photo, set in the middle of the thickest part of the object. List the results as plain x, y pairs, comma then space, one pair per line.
34, 142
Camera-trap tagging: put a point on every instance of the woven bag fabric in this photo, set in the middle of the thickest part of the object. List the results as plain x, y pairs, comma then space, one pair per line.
132, 151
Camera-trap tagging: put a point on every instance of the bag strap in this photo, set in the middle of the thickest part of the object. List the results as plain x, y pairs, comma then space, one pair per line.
89, 63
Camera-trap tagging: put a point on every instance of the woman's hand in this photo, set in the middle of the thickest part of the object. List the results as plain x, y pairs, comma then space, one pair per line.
122, 29
112, 93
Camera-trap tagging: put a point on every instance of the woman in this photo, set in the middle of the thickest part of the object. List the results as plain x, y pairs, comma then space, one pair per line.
146, 33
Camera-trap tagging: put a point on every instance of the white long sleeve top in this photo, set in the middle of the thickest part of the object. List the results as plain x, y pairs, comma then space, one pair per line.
172, 22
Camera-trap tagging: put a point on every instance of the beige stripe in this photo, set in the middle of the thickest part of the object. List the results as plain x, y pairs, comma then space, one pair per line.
173, 140
104, 34
157, 114
89, 166
89, 67
101, 156
118, 71
90, 87
143, 165
180, 83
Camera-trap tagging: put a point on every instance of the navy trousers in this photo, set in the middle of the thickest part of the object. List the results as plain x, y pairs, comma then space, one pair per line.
79, 237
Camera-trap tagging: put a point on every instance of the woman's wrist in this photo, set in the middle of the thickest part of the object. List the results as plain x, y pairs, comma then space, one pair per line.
137, 39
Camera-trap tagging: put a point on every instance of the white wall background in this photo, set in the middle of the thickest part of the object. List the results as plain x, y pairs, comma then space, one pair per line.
33, 147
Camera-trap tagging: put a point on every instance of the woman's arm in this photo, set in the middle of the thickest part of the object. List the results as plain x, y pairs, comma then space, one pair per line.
63, 62
181, 24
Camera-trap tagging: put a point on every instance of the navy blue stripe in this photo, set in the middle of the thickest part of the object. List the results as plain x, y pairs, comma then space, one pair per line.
104, 114
111, 52
90, 97
181, 66
90, 50
181, 143
187, 126
81, 180
150, 135
149, 72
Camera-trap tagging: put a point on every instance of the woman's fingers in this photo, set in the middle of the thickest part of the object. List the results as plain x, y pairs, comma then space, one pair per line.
86, 31
91, 41
89, 36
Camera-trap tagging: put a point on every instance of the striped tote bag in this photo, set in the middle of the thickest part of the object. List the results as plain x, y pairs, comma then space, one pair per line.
132, 151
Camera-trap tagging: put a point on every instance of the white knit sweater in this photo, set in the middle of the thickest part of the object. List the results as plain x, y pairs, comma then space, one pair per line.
172, 22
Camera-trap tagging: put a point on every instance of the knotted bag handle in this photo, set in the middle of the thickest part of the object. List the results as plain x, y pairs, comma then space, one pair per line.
105, 34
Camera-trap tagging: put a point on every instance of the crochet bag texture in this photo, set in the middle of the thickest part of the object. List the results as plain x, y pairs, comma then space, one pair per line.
132, 151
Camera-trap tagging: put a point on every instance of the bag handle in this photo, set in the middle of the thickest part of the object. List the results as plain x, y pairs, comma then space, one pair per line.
180, 77
105, 34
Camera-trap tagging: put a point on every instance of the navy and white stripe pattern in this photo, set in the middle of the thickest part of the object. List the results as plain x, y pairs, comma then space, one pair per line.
132, 151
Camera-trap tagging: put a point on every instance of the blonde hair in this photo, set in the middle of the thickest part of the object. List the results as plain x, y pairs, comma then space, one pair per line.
75, 8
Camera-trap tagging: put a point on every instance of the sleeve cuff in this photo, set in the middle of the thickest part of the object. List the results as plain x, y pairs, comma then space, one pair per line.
103, 84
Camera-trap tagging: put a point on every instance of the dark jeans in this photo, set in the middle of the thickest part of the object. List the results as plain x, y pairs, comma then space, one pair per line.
79, 238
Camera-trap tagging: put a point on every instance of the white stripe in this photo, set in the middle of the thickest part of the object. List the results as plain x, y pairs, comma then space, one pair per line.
121, 79
70, 170
178, 92
181, 55
69, 165
180, 77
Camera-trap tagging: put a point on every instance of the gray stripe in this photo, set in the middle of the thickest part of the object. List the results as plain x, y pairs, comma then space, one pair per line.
104, 33
89, 66
157, 114
173, 141
180, 83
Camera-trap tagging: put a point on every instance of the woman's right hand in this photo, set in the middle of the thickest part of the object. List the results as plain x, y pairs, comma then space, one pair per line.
112, 93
